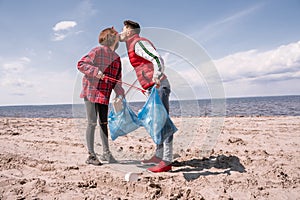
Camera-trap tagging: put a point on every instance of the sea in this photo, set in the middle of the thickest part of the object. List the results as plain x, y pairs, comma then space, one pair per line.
242, 107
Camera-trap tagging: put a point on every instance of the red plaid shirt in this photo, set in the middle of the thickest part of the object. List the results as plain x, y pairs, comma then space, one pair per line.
94, 89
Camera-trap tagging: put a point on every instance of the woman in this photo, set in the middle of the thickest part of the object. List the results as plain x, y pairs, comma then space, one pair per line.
100, 62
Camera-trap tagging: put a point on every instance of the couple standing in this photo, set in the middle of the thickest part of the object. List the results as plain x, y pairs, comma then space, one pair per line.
103, 61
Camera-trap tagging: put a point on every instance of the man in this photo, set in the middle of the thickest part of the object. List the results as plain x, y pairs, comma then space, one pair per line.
149, 68
100, 62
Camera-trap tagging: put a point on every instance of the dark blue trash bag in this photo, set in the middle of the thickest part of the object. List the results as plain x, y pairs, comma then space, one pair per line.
154, 117
122, 122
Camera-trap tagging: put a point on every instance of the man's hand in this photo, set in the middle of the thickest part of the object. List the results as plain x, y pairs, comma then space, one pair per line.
157, 82
100, 75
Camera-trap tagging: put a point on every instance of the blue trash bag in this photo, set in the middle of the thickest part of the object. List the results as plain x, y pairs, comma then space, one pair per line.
122, 122
154, 117
168, 130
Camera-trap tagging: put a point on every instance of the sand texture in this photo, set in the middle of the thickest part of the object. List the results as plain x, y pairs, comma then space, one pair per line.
253, 158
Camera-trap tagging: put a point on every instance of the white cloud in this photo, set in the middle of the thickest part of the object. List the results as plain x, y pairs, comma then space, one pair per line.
36, 86
64, 25
12, 72
15, 66
16, 83
270, 72
282, 62
62, 29
59, 36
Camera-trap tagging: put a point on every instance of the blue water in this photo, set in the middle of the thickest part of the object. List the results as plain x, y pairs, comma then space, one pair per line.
250, 106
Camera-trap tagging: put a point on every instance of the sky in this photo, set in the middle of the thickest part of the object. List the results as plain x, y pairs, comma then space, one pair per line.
253, 47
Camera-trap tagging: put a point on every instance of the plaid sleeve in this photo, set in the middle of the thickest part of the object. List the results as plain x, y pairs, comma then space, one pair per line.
118, 87
86, 64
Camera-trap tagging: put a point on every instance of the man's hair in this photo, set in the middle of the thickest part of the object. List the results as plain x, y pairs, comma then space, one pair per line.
133, 25
107, 37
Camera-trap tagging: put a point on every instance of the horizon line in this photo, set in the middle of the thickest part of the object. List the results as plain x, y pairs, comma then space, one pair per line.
233, 97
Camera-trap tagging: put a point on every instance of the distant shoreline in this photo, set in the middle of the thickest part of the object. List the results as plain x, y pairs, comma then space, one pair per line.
240, 107
204, 99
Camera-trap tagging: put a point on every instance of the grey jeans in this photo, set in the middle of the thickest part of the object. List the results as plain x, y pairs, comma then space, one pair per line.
93, 110
165, 150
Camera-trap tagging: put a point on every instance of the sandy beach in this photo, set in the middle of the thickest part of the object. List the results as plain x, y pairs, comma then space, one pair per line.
253, 158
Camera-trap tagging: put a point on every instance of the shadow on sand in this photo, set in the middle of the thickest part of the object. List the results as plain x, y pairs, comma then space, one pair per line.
190, 167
